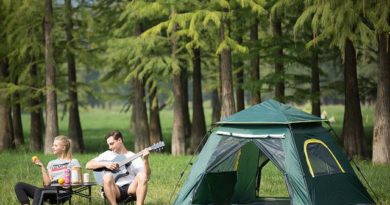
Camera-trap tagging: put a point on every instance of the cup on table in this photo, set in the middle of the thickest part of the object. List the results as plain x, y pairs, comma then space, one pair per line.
86, 177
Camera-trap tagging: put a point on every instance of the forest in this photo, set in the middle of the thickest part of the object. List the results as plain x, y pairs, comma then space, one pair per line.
57, 56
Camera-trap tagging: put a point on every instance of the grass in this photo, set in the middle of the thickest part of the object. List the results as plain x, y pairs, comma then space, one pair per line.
166, 169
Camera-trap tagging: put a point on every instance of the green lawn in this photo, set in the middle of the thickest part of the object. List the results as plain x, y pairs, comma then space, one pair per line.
166, 169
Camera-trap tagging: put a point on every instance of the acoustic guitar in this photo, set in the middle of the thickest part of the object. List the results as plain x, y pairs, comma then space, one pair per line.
123, 163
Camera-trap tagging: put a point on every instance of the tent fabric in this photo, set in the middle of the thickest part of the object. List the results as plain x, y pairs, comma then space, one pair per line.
270, 112
228, 169
349, 190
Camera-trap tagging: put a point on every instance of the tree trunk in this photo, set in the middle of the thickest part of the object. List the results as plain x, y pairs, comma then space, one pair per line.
178, 132
227, 93
381, 141
216, 106
240, 95
216, 96
315, 86
186, 112
141, 125
279, 66
154, 112
17, 118
353, 134
255, 65
198, 119
74, 130
133, 119
36, 114
6, 132
6, 128
37, 126
17, 124
51, 97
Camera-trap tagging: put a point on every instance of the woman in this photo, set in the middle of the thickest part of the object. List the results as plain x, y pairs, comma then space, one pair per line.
55, 170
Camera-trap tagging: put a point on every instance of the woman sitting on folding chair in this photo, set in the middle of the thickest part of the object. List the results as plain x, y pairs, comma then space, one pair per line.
55, 170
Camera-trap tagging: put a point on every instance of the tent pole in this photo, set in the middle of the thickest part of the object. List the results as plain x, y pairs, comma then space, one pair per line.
259, 176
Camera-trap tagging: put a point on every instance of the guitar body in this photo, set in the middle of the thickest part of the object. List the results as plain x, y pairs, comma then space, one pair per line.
117, 173
123, 163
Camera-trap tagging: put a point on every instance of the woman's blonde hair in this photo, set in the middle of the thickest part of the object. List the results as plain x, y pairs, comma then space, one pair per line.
68, 145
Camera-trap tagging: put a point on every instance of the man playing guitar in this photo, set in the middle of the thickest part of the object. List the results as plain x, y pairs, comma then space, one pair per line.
134, 182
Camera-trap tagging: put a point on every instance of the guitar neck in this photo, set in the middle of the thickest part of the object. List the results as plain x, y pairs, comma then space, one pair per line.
157, 146
130, 159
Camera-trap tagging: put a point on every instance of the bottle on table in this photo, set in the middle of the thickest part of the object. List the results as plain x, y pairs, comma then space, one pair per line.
67, 176
76, 175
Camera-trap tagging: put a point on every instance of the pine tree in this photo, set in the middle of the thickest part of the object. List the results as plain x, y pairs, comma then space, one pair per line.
255, 64
340, 22
74, 131
51, 93
25, 37
198, 118
376, 15
134, 58
6, 128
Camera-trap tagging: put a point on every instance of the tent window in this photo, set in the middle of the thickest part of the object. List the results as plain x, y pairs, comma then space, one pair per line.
320, 159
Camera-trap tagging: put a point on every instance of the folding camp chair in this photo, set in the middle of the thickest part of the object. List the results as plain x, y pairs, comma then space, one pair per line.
60, 198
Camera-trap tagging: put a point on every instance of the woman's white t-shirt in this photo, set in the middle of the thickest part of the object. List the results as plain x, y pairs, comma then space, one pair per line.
57, 167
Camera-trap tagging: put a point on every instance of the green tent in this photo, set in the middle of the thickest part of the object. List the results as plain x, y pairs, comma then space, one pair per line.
228, 169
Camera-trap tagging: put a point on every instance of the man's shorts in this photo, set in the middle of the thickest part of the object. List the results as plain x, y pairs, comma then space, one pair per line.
123, 192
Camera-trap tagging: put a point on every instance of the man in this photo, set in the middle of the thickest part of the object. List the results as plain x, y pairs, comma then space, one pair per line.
135, 183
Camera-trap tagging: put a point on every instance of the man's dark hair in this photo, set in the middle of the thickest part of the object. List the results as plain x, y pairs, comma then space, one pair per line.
116, 134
